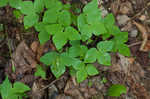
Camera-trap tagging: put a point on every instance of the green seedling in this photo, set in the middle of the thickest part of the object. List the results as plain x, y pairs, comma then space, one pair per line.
13, 91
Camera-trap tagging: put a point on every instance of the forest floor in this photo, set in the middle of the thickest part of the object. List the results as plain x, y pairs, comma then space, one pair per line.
20, 49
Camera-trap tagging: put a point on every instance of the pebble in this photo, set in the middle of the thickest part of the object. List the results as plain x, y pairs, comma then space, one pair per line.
122, 19
104, 12
133, 33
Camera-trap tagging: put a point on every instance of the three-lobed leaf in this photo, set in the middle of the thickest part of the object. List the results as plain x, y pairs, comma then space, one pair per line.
61, 38
17, 90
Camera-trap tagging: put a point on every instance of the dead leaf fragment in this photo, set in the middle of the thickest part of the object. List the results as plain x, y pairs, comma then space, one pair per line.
36, 94
126, 8
144, 33
34, 46
23, 60
115, 7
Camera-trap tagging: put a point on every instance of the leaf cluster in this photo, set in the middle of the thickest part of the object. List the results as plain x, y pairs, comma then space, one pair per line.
58, 23
55, 21
15, 91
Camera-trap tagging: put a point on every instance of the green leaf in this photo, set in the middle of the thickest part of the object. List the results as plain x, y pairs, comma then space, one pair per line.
83, 51
30, 20
26, 7
39, 5
98, 28
90, 7
40, 26
40, 72
49, 58
59, 40
114, 30
5, 88
15, 3
53, 4
104, 58
121, 37
72, 33
74, 51
64, 18
58, 68
124, 50
81, 21
43, 37
54, 28
3, 3
50, 16
85, 29
111, 30
91, 70
17, 13
14, 96
105, 46
77, 50
75, 42
93, 17
78, 65
66, 59
109, 19
72, 72
91, 55
66, 6
19, 88
81, 75
116, 90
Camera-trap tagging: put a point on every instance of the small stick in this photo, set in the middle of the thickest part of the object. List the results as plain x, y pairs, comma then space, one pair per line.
51, 83
134, 44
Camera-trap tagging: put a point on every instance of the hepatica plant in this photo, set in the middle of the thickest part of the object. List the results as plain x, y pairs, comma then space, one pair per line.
72, 34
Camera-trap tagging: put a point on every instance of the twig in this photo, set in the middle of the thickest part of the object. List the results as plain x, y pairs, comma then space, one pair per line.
51, 84
139, 13
134, 44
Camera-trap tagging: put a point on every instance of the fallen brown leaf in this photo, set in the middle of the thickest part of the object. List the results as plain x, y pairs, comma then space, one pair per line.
144, 33
23, 60
34, 46
126, 8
